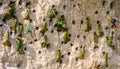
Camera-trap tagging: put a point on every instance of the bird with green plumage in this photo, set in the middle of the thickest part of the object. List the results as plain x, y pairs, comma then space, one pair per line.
28, 30
105, 56
44, 43
110, 42
27, 15
65, 37
61, 25
96, 37
14, 27
88, 25
20, 28
59, 59
82, 51
20, 46
10, 12
100, 31
44, 28
53, 13
7, 42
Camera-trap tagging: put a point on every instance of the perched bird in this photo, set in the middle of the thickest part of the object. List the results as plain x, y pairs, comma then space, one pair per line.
20, 30
105, 55
61, 25
110, 43
7, 40
44, 28
11, 12
53, 12
44, 43
59, 56
66, 38
20, 46
100, 30
28, 30
82, 51
96, 40
88, 25
14, 27
27, 15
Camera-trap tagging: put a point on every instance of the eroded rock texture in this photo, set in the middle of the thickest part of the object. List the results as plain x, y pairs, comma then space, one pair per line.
75, 13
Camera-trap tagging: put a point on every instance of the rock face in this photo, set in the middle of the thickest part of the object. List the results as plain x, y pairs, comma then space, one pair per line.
75, 13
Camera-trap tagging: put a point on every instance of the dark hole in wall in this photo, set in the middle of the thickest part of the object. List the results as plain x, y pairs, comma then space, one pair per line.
51, 20
20, 2
112, 4
25, 48
73, 22
96, 12
98, 22
76, 59
78, 36
52, 31
81, 21
69, 35
31, 42
68, 53
11, 32
34, 11
62, 42
103, 3
64, 7
28, 4
43, 19
108, 12
39, 51
1, 25
84, 37
12, 3
78, 4
35, 40
4, 20
1, 4
30, 20
62, 56
76, 48
106, 28
112, 32
18, 65
74, 5
71, 44
37, 28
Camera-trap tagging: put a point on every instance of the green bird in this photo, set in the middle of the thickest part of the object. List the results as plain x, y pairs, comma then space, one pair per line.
20, 30
14, 27
28, 30
62, 23
27, 16
44, 43
82, 51
7, 40
59, 56
105, 55
10, 13
100, 30
66, 38
53, 13
96, 40
109, 41
20, 46
44, 28
88, 25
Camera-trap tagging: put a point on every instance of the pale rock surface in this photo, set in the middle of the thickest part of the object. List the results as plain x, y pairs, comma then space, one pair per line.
75, 10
